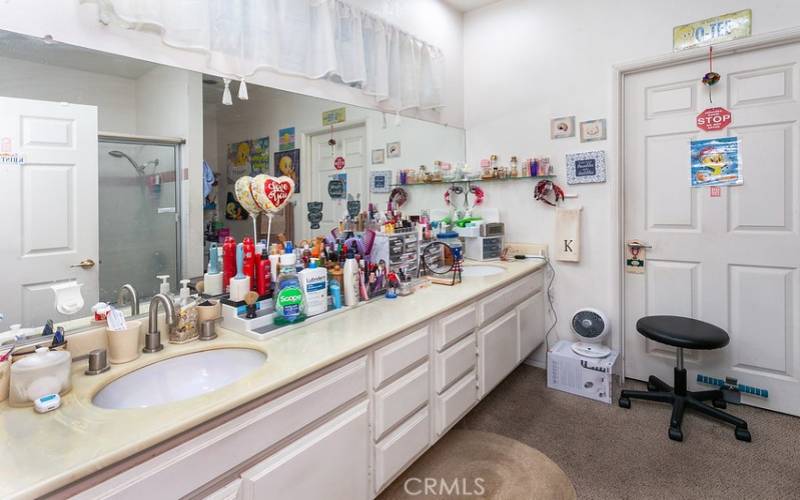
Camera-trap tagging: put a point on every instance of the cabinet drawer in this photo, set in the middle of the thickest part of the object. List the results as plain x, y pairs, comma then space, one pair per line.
400, 399
455, 362
455, 326
506, 298
228, 492
455, 402
498, 348
399, 355
312, 467
186, 467
400, 447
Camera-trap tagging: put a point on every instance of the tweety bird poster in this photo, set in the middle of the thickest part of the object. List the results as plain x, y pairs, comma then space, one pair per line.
716, 162
288, 163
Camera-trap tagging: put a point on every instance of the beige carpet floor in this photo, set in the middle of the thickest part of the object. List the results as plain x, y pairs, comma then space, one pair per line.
610, 453
481, 465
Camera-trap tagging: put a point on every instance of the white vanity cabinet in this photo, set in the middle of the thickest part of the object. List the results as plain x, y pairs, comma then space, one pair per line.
350, 431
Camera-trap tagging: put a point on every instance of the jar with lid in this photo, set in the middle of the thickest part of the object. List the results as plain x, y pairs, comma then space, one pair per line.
514, 171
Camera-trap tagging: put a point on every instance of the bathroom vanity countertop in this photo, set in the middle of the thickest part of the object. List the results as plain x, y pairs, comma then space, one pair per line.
42, 453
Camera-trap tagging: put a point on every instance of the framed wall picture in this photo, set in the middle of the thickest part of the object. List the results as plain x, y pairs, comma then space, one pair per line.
380, 181
288, 163
586, 168
563, 127
378, 156
593, 130
393, 150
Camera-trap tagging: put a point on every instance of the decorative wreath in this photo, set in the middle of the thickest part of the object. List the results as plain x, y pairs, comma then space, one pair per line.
456, 190
548, 192
479, 195
398, 197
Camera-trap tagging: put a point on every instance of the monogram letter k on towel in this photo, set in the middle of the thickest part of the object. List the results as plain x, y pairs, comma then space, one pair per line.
568, 234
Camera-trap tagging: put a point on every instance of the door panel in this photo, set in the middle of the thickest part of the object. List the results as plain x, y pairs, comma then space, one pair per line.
731, 260
351, 145
49, 207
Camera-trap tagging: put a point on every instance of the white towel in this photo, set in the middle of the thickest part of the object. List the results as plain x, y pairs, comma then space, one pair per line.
568, 234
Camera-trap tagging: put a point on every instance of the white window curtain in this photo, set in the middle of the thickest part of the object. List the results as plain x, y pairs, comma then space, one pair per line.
311, 38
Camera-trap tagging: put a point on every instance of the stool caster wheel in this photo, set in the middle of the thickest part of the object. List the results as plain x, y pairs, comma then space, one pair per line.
720, 403
675, 434
743, 434
624, 403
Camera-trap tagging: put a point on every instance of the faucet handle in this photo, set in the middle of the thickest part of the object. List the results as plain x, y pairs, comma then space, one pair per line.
152, 342
98, 362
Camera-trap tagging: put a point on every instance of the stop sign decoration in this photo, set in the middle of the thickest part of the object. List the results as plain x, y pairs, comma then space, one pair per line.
338, 163
714, 119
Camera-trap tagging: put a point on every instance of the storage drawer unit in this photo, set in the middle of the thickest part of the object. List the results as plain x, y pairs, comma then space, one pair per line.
455, 362
399, 399
455, 402
393, 358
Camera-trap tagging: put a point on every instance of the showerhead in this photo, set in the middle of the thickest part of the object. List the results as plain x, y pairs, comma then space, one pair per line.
139, 168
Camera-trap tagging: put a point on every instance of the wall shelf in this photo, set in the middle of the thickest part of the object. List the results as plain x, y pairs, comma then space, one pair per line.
472, 181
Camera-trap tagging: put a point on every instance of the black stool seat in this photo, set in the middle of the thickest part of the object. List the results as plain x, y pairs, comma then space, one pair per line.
682, 332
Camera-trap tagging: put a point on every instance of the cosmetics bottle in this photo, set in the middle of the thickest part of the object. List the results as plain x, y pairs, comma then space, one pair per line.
249, 258
264, 274
228, 261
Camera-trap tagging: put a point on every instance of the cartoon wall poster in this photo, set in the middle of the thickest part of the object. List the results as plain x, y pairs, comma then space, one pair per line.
233, 210
259, 156
238, 160
716, 162
288, 163
286, 139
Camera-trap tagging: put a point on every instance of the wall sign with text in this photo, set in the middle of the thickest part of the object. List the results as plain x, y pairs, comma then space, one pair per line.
713, 30
586, 168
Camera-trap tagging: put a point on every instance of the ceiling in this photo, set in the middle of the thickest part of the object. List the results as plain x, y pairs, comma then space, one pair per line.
467, 5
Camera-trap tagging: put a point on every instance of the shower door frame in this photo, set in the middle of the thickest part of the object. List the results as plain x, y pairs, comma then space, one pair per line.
177, 144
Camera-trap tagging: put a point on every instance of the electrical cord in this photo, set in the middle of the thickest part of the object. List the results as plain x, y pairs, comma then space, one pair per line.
549, 293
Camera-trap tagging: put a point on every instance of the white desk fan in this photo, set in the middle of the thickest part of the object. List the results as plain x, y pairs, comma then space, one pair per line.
591, 326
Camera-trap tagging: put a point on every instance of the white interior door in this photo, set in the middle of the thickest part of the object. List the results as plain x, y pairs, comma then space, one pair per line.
48, 207
731, 260
351, 145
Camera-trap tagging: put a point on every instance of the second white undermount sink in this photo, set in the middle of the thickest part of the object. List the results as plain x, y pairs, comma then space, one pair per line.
179, 378
481, 270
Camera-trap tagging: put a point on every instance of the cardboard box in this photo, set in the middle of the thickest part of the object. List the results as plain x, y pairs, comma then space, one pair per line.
588, 377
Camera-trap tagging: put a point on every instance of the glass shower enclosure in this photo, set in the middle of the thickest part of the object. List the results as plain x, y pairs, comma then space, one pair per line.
139, 207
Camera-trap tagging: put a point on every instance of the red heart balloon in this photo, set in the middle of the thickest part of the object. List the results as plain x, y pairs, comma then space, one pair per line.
278, 191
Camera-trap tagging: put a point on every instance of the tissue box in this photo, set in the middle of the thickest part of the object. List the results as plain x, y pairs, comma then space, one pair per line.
588, 377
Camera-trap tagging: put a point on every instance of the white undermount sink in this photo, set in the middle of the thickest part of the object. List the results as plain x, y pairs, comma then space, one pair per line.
179, 378
480, 270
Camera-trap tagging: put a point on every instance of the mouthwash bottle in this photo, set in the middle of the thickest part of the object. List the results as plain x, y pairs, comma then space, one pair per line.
290, 303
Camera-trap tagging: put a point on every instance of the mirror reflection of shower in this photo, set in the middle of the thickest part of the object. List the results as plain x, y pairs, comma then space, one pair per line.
140, 169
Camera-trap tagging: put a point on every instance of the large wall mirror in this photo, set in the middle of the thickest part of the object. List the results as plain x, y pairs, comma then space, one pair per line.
114, 171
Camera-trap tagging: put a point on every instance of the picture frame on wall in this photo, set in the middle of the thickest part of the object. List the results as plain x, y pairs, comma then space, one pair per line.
586, 168
288, 163
378, 156
561, 128
393, 150
380, 181
593, 130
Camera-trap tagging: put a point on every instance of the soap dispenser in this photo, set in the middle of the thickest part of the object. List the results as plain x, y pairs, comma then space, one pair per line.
186, 310
164, 286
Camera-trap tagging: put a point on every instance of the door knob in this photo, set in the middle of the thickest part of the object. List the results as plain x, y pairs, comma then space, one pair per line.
637, 244
85, 264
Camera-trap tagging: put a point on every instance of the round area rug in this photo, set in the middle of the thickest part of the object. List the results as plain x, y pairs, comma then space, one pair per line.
473, 464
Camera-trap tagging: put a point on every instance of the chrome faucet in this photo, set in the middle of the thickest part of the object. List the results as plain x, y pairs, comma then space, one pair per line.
152, 340
134, 298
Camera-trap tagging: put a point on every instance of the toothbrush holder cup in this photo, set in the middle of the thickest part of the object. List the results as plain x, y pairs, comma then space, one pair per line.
123, 346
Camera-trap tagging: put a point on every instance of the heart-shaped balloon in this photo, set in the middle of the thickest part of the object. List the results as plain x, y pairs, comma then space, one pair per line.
272, 193
244, 196
257, 190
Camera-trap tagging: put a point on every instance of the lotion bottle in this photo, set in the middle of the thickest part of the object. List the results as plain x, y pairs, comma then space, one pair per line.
314, 282
351, 280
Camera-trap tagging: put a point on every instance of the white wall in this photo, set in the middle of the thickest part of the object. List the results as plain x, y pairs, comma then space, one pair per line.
527, 61
269, 110
76, 23
113, 95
